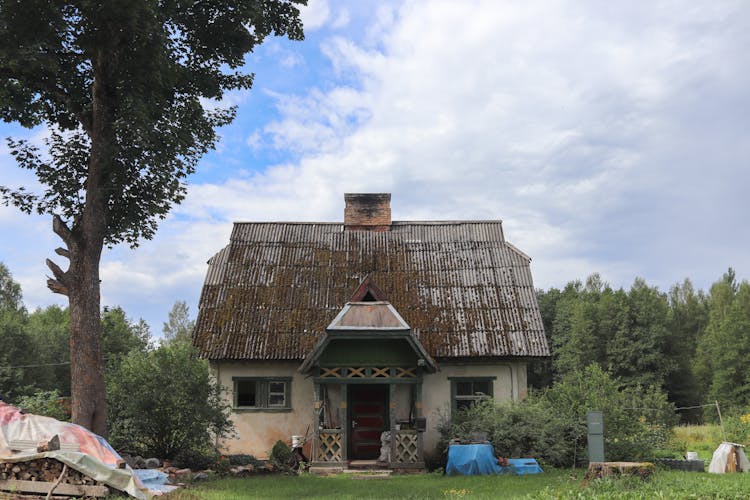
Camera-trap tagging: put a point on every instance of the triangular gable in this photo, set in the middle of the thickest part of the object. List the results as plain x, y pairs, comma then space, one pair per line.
368, 291
368, 316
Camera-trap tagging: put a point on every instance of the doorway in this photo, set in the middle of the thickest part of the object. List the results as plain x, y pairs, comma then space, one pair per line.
368, 418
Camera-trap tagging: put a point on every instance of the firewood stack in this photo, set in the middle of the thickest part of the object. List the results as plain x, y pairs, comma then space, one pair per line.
43, 470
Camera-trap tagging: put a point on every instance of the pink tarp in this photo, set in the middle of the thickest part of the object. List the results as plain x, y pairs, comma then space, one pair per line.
93, 456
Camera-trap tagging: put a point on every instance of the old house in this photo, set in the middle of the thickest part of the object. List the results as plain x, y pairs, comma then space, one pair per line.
346, 330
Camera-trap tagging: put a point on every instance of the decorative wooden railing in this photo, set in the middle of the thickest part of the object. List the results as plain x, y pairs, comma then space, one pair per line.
407, 448
330, 445
355, 372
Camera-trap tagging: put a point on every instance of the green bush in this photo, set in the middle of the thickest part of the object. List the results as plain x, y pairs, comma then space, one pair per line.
197, 459
47, 403
515, 429
164, 403
280, 454
551, 425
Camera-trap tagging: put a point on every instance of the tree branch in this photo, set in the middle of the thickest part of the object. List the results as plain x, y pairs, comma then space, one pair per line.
56, 287
59, 273
63, 231
62, 252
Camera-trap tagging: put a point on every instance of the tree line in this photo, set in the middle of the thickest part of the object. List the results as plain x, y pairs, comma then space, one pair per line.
691, 344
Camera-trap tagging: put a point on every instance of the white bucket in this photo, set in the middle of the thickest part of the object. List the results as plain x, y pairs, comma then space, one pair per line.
692, 455
297, 441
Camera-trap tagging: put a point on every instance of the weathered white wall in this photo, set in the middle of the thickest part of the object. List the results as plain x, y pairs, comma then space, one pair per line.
510, 383
258, 431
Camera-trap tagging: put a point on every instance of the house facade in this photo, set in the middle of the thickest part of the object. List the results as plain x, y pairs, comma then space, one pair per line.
342, 331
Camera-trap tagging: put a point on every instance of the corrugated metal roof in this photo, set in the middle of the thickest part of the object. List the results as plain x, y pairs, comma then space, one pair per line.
273, 290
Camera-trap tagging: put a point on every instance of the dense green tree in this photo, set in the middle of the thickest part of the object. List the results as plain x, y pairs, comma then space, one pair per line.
636, 350
14, 344
179, 326
724, 349
688, 319
119, 85
120, 336
172, 386
48, 332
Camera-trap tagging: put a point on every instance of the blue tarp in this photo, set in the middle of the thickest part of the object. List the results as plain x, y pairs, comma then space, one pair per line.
523, 466
478, 459
471, 460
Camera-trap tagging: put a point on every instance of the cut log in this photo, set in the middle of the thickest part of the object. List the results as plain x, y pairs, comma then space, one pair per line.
17, 486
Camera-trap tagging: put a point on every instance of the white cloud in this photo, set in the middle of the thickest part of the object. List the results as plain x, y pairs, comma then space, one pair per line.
608, 138
315, 14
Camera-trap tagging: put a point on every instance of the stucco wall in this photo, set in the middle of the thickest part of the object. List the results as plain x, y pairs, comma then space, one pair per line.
258, 431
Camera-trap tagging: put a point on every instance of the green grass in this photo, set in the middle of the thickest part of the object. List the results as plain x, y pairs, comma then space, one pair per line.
555, 484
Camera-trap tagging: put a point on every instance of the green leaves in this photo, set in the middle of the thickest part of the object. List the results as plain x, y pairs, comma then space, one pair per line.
119, 86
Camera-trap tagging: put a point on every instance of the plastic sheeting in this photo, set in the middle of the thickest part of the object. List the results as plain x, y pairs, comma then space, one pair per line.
94, 456
523, 466
471, 460
723, 454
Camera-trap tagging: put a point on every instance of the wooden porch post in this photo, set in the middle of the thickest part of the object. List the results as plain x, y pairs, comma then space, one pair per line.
418, 413
316, 421
392, 414
344, 421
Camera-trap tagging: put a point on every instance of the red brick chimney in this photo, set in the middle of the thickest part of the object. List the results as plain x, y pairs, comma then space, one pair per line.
367, 212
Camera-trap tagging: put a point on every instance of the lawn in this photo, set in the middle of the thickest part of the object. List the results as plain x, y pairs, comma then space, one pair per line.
555, 484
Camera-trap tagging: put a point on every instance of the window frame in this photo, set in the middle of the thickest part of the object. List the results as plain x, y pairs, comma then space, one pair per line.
454, 390
263, 395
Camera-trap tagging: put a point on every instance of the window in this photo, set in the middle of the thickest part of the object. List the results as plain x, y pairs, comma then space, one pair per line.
262, 394
466, 391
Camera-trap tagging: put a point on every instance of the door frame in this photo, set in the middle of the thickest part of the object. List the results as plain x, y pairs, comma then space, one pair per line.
350, 414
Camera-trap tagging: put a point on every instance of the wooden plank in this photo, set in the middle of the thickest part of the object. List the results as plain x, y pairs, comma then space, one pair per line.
13, 485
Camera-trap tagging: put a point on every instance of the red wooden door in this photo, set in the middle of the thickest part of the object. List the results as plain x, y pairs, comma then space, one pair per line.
368, 418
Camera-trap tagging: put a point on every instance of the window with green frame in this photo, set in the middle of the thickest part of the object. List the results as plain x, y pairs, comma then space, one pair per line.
262, 394
467, 391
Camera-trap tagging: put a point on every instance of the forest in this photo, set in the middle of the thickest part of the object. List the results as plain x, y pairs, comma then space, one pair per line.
693, 345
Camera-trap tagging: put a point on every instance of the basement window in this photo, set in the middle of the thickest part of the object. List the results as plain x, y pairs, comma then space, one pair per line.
262, 394
468, 391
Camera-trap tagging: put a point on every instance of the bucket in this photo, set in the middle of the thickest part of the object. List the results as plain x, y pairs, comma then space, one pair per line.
297, 441
692, 455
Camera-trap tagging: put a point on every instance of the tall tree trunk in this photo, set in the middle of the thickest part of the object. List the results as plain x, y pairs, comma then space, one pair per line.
86, 367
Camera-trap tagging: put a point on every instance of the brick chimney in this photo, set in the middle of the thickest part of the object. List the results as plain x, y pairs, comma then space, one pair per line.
367, 212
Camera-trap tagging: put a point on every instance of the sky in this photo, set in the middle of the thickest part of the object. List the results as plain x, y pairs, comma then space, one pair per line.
609, 137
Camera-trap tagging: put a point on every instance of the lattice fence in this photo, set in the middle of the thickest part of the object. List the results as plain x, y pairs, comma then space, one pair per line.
407, 447
329, 447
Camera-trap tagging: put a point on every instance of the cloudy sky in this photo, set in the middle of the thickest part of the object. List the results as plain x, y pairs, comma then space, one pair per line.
610, 137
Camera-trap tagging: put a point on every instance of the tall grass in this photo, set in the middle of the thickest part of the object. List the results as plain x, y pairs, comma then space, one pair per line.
703, 439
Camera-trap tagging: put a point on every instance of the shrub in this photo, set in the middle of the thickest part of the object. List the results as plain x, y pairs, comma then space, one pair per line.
280, 454
197, 459
163, 403
551, 425
47, 403
636, 420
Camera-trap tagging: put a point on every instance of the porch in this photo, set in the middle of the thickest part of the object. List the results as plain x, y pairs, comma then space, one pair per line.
354, 407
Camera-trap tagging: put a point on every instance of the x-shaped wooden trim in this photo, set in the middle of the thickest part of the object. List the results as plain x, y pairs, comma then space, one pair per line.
356, 372
380, 372
405, 372
330, 372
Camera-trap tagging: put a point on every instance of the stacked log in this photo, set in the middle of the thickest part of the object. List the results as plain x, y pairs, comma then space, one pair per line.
47, 471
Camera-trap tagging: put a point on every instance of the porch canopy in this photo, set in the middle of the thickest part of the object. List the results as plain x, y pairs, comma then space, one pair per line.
368, 333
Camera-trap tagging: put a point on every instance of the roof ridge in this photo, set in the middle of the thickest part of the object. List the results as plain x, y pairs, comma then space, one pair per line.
395, 222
